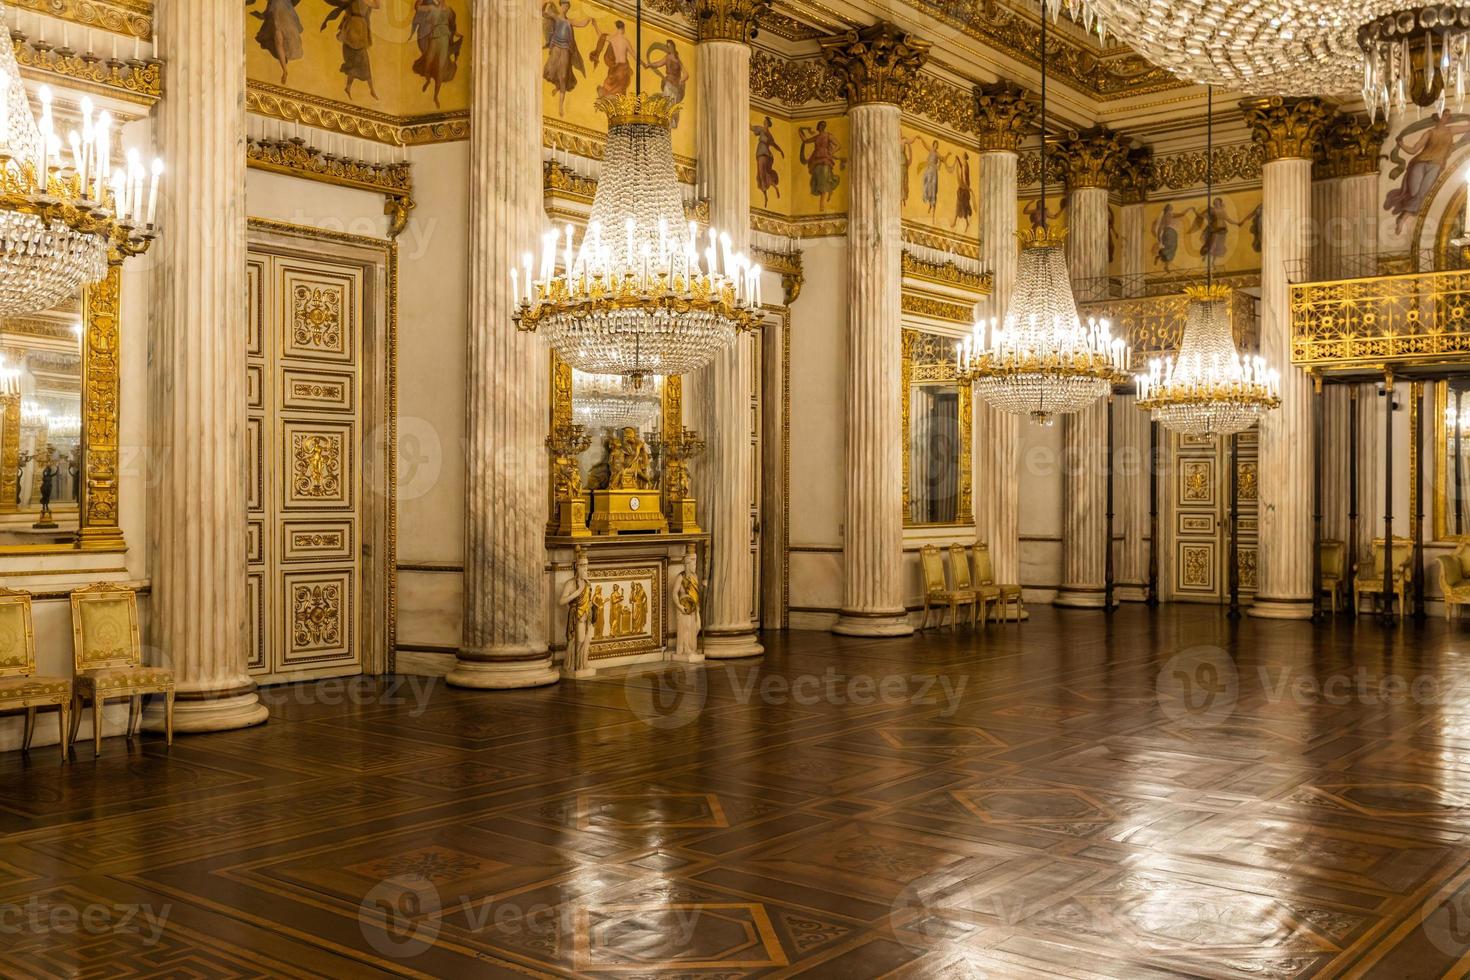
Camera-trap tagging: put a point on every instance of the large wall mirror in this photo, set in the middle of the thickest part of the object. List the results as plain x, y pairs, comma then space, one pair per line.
1452, 459
937, 433
59, 378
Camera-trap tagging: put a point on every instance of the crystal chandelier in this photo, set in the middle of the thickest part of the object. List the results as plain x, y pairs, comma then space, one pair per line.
33, 415
642, 293
1042, 361
609, 401
9, 379
64, 208
1417, 56
64, 428
1208, 389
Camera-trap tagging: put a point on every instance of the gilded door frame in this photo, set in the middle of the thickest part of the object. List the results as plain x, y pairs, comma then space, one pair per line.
379, 260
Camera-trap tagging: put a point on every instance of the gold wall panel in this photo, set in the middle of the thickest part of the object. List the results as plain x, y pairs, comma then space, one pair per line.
1196, 567
320, 626
255, 465
316, 540
628, 604
254, 540
1197, 482
318, 391
254, 386
321, 320
318, 465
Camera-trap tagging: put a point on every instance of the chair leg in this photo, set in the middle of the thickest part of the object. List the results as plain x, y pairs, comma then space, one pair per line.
168, 716
63, 725
135, 714
25, 745
76, 718
97, 703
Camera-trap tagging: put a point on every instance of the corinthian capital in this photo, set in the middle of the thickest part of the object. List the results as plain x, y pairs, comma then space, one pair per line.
1135, 175
876, 63
1287, 128
1351, 145
728, 20
1092, 157
1003, 114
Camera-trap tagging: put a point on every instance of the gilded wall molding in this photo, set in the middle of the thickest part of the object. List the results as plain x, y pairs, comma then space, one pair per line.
130, 18
1287, 128
875, 64
98, 527
276, 102
1133, 177
785, 264
938, 309
929, 358
294, 158
946, 274
1233, 162
915, 234
793, 81
139, 82
815, 226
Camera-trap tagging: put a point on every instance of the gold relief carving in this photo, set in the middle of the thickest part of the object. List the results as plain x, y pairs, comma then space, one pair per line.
560, 181
1352, 146
1234, 162
1196, 571
1092, 157
265, 99
876, 63
1134, 176
9, 453
316, 614
1197, 486
316, 318
728, 20
949, 105
1421, 317
815, 227
316, 390
130, 18
101, 381
139, 82
1003, 113
938, 309
946, 273
1156, 323
914, 234
1247, 478
793, 82
1246, 565
1287, 128
316, 540
317, 470
787, 265
294, 158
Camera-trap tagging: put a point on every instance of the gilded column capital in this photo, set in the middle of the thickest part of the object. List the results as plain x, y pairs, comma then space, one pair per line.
1135, 176
1287, 128
728, 20
1351, 146
875, 63
1003, 115
1092, 157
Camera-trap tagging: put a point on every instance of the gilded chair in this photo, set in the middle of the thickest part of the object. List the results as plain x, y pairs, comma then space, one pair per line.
1454, 578
1008, 595
1333, 559
109, 659
1370, 580
959, 567
937, 592
20, 689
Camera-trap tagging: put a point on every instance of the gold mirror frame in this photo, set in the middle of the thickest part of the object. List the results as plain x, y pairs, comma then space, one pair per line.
97, 505
561, 414
1441, 454
927, 358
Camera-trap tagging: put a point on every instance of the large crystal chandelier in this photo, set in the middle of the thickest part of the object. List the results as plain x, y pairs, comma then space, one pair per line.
609, 401
643, 293
1416, 56
1042, 361
1208, 389
64, 207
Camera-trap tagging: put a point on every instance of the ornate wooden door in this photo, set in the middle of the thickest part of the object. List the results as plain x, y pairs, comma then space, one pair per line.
1198, 506
304, 440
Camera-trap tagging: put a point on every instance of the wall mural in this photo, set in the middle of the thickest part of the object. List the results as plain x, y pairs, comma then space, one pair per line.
589, 52
401, 57
938, 183
1419, 153
798, 167
1181, 234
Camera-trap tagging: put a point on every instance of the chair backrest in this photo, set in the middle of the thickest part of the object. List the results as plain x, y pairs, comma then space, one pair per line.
1462, 558
933, 566
104, 627
1403, 554
17, 635
984, 572
959, 567
1450, 573
1334, 556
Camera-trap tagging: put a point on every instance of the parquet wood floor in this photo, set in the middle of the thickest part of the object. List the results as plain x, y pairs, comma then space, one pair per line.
1147, 795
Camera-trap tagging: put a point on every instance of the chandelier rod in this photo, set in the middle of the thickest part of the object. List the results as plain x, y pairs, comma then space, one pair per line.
638, 49
1043, 121
1209, 181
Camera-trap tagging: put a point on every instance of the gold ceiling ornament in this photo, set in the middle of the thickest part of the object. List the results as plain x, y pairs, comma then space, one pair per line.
1092, 157
1287, 128
792, 81
729, 20
875, 64
1351, 146
947, 104
1003, 115
1135, 175
294, 158
1180, 171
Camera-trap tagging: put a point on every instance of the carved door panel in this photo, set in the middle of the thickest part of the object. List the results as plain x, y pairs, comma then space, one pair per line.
1199, 509
305, 434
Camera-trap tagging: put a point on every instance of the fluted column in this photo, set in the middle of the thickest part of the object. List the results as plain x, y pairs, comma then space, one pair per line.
198, 617
1130, 426
505, 591
876, 64
1289, 130
1092, 159
725, 386
1003, 113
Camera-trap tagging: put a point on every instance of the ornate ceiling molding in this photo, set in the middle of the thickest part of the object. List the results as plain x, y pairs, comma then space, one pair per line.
130, 18
280, 103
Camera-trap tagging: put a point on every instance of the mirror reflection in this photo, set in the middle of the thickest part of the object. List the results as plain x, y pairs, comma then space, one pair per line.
40, 425
934, 453
607, 404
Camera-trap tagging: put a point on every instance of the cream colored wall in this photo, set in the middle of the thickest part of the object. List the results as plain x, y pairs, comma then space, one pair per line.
1041, 510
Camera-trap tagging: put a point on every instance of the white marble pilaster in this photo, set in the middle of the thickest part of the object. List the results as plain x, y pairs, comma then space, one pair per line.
198, 615
1085, 433
1131, 427
506, 593
725, 386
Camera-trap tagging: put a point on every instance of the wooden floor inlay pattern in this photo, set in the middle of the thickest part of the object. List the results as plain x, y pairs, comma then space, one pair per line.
1146, 795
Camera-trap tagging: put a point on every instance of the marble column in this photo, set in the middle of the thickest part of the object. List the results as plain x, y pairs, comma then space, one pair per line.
506, 594
875, 65
1289, 130
725, 386
1092, 160
198, 618
1003, 113
1130, 426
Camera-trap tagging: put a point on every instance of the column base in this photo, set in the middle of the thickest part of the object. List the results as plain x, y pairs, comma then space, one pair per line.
731, 646
503, 669
1265, 608
214, 714
1081, 597
688, 658
873, 624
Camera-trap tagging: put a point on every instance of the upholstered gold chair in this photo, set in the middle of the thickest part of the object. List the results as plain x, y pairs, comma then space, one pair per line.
1007, 594
959, 569
1333, 558
20, 689
1454, 578
109, 659
937, 592
1370, 579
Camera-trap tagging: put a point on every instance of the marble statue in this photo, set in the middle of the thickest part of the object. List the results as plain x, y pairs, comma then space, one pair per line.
687, 622
576, 595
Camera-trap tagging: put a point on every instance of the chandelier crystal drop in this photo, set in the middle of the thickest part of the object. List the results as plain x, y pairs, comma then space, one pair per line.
643, 293
1042, 361
1416, 56
64, 207
611, 401
1208, 389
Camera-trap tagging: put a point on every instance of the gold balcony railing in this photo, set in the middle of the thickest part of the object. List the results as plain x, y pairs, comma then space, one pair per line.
1155, 324
1421, 318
